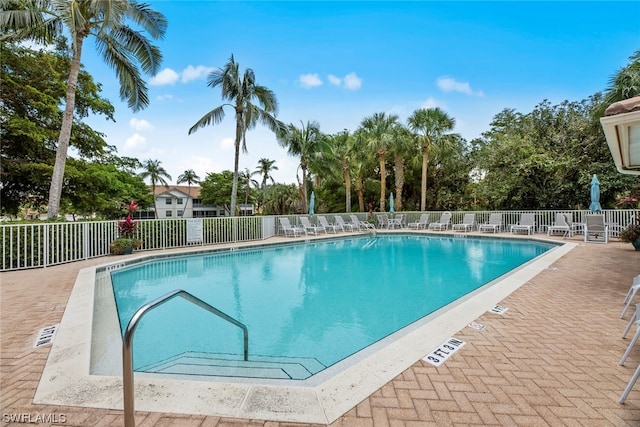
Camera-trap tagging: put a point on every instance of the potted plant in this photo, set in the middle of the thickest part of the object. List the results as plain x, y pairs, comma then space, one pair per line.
631, 234
126, 242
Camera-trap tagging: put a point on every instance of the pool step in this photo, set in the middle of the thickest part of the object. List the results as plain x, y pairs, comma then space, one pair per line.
230, 365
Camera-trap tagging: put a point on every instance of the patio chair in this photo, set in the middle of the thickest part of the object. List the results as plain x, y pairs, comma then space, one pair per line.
595, 230
396, 221
442, 223
383, 220
423, 222
339, 221
560, 225
468, 223
634, 319
310, 228
361, 224
633, 290
324, 223
290, 230
527, 223
494, 225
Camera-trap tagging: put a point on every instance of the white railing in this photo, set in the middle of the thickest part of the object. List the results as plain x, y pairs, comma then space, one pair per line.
44, 244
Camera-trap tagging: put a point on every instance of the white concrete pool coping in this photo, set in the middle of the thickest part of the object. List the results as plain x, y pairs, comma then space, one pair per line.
67, 378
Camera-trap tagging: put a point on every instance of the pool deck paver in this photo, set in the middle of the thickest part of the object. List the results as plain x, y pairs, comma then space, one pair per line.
550, 360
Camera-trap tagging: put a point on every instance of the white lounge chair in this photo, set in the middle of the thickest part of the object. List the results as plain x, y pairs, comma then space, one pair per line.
494, 225
345, 225
633, 290
383, 220
322, 220
290, 230
442, 223
396, 221
361, 224
468, 223
423, 222
560, 225
634, 319
310, 228
527, 223
595, 230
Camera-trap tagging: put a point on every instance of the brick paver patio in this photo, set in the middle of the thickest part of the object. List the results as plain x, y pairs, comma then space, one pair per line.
551, 359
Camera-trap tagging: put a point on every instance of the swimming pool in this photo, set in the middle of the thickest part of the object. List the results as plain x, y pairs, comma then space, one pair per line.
307, 306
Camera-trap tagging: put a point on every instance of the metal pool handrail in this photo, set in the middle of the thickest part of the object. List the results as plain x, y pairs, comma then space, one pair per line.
127, 345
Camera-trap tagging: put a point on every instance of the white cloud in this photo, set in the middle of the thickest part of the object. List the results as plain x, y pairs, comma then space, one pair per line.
195, 73
136, 143
164, 77
309, 80
227, 144
448, 84
334, 80
352, 81
431, 103
165, 97
140, 124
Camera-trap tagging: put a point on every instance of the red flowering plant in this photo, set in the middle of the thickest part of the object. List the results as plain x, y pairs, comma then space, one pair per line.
126, 242
632, 232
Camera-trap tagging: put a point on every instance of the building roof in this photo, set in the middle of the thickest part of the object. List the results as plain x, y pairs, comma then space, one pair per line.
624, 106
193, 191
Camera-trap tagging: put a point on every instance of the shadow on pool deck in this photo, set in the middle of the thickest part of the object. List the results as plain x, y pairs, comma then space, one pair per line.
551, 359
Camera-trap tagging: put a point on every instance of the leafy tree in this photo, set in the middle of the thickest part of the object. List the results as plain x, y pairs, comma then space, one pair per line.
216, 189
626, 82
282, 199
156, 174
304, 142
32, 90
338, 153
378, 133
251, 103
429, 125
122, 47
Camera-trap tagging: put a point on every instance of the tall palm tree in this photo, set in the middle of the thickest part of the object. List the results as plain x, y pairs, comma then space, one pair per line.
126, 50
402, 147
339, 149
305, 142
429, 125
190, 177
156, 174
245, 176
265, 166
378, 131
251, 103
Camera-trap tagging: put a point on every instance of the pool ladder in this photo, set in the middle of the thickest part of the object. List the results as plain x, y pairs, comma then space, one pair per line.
127, 345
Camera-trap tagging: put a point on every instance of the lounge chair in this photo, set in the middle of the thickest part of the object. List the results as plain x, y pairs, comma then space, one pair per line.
633, 290
494, 225
468, 223
290, 230
324, 223
634, 319
423, 222
595, 230
360, 224
442, 223
527, 223
339, 221
310, 228
560, 224
396, 221
383, 220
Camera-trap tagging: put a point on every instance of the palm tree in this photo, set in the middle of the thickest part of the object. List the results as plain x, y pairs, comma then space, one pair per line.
402, 147
378, 131
156, 174
245, 176
339, 149
265, 166
190, 177
429, 125
251, 103
124, 49
305, 142
626, 82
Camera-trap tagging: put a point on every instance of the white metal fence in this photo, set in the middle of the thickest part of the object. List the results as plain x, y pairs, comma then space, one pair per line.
44, 244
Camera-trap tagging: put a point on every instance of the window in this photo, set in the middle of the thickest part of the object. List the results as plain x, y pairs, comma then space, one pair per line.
168, 214
168, 199
180, 213
179, 201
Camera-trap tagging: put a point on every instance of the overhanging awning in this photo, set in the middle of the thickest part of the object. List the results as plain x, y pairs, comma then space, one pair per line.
621, 126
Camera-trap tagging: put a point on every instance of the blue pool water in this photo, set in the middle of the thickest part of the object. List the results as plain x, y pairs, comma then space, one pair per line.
321, 300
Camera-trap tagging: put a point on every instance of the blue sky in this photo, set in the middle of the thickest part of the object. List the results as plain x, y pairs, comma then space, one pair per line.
339, 62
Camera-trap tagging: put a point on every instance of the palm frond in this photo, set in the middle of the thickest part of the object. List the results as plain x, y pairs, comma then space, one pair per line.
152, 21
212, 117
148, 55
